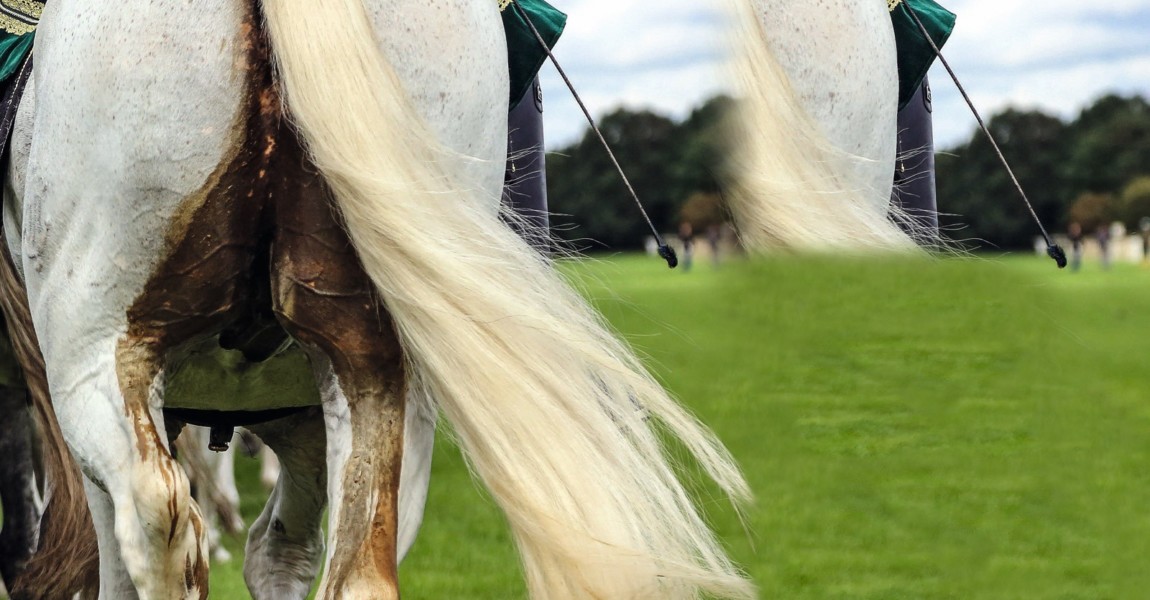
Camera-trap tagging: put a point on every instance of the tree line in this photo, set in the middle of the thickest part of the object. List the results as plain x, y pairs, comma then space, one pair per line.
1092, 170
671, 164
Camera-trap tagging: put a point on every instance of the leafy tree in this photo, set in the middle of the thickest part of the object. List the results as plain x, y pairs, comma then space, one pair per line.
978, 199
702, 210
590, 199
1092, 211
702, 147
1134, 202
1109, 144
667, 163
1103, 149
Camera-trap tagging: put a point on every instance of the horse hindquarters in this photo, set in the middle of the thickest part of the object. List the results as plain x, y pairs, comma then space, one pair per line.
813, 141
839, 57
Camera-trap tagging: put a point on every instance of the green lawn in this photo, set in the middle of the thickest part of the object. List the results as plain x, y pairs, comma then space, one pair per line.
972, 428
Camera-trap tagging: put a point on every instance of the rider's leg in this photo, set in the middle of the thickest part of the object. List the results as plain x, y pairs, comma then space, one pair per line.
525, 183
914, 190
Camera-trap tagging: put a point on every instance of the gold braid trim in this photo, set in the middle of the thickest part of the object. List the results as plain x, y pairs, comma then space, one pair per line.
503, 4
892, 4
30, 9
14, 26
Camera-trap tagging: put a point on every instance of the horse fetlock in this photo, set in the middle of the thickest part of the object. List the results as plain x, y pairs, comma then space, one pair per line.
162, 535
364, 586
279, 564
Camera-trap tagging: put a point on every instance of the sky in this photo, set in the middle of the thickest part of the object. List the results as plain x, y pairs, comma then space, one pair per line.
668, 56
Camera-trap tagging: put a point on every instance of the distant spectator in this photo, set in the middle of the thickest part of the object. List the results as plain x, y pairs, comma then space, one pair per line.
1075, 233
1103, 236
687, 238
1144, 229
714, 235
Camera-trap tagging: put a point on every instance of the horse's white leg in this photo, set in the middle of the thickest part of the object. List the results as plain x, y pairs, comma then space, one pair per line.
269, 467
114, 579
451, 79
105, 406
225, 473
213, 478
285, 544
415, 474
359, 368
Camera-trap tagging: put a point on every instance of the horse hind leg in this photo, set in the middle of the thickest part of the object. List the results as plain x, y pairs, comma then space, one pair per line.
213, 480
139, 496
325, 301
285, 544
365, 436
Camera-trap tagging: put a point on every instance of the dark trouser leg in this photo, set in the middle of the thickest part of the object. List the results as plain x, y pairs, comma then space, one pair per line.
525, 182
914, 189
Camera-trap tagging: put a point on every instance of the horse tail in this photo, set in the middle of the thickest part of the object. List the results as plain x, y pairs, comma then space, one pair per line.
554, 413
66, 560
788, 186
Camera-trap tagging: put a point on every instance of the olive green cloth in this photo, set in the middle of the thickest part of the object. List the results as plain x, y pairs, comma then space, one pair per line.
914, 52
524, 54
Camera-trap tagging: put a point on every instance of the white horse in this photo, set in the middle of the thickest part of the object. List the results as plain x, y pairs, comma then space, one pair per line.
813, 155
171, 193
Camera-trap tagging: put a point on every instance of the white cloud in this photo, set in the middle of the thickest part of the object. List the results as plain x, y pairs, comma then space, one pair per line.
667, 55
642, 54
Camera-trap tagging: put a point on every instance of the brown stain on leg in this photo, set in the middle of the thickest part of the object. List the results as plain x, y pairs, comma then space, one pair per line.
325, 300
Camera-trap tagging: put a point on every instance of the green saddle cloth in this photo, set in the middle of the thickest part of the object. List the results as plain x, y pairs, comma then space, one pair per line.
524, 54
18, 19
914, 52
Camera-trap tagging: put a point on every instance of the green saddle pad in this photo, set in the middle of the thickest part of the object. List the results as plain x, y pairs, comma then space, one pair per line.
914, 52
524, 54
18, 19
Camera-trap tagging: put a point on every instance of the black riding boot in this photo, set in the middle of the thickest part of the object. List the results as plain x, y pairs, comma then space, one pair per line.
525, 181
914, 190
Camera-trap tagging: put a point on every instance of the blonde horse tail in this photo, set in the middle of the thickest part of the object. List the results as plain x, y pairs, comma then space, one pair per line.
789, 188
555, 414
66, 560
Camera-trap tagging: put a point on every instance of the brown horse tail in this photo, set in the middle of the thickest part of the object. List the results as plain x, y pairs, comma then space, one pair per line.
66, 560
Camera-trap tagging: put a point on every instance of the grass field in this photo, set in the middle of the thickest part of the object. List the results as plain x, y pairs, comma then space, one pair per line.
914, 429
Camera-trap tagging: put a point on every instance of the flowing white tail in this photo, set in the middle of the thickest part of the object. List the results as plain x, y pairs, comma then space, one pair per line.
789, 187
550, 407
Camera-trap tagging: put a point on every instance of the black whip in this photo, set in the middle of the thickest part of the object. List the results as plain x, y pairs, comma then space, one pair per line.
665, 251
1052, 250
